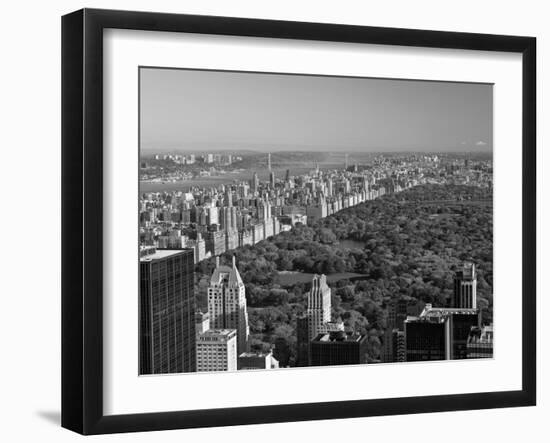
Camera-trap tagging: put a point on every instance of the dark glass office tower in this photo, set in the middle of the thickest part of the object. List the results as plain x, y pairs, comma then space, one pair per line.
338, 348
440, 333
428, 338
302, 342
167, 312
462, 322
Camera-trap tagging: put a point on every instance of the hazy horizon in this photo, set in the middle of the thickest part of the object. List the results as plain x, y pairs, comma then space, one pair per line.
196, 110
274, 150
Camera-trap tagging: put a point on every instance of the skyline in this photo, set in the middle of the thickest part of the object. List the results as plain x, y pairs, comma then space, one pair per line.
187, 110
480, 149
340, 267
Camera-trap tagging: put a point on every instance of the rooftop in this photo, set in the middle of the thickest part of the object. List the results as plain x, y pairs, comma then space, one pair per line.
447, 311
228, 333
429, 310
255, 354
161, 253
338, 336
226, 274
439, 315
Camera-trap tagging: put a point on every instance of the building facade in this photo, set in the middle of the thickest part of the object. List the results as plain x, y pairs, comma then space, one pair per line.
428, 337
318, 305
338, 348
217, 350
316, 319
302, 341
440, 333
167, 312
393, 349
465, 285
250, 360
215, 242
202, 322
462, 322
480, 342
227, 303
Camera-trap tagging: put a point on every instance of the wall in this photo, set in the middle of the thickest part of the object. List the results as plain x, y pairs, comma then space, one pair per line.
30, 321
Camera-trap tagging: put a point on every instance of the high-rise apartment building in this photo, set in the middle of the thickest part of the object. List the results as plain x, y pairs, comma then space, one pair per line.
166, 312
227, 303
226, 224
316, 319
398, 346
386, 352
217, 350
318, 305
255, 183
257, 232
231, 240
393, 349
465, 284
215, 242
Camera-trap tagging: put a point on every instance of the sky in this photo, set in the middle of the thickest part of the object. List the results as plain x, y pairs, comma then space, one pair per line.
198, 110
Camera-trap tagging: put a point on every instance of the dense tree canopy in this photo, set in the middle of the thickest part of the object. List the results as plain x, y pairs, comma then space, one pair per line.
401, 245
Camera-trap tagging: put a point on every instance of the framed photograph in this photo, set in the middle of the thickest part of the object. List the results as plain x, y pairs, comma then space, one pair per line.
268, 221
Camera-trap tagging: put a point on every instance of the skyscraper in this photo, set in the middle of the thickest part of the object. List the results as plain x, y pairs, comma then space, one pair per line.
167, 312
398, 346
318, 305
269, 162
315, 320
329, 187
226, 221
465, 284
228, 198
462, 322
217, 350
255, 183
227, 303
393, 349
338, 348
215, 242
387, 353
428, 337
233, 217
440, 333
302, 341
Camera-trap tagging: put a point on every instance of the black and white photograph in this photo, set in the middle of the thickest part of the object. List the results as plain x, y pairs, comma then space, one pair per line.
293, 221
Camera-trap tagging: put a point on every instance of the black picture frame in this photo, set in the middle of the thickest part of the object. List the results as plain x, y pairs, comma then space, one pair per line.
82, 190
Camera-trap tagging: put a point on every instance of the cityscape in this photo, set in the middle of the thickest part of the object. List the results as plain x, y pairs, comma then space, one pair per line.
294, 221
286, 271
